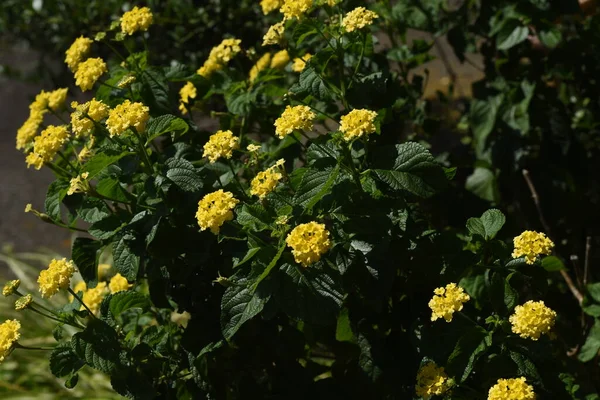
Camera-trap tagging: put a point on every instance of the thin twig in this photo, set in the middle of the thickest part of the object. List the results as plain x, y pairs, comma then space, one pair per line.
536, 200
586, 266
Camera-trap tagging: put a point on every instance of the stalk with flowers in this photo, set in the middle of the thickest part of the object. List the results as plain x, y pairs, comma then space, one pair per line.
290, 253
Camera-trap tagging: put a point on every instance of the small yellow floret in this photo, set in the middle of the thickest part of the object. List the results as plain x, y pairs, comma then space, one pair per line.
300, 63
215, 209
358, 123
280, 59
295, 8
358, 19
11, 287
260, 65
23, 302
431, 381
93, 297
269, 6
530, 245
219, 56
137, 19
446, 301
220, 144
127, 115
292, 118
532, 319
29, 129
511, 389
56, 277
46, 145
9, 334
79, 184
187, 93
118, 283
274, 34
265, 181
308, 242
253, 147
56, 98
84, 116
89, 72
77, 52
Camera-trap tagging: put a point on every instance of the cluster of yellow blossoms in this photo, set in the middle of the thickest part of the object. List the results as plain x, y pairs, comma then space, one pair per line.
220, 56
220, 144
9, 334
532, 319
93, 297
431, 381
262, 64
137, 19
308, 242
270, 5
43, 102
446, 301
77, 52
127, 115
215, 209
294, 118
79, 184
56, 277
295, 8
23, 302
511, 389
265, 181
275, 34
88, 72
46, 145
85, 115
530, 245
358, 19
187, 93
357, 123
300, 62
279, 61
10, 287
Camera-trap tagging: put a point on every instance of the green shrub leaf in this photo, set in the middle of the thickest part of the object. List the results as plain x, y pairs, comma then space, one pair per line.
85, 253
126, 300
183, 174
488, 225
240, 304
64, 361
164, 124
590, 348
98, 345
125, 261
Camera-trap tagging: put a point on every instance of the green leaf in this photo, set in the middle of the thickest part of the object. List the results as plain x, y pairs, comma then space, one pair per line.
590, 348
551, 37
106, 227
183, 174
410, 167
269, 267
64, 361
155, 90
85, 253
240, 102
55, 195
594, 291
249, 255
553, 263
93, 210
593, 310
125, 261
525, 366
482, 183
127, 300
511, 34
100, 161
111, 188
254, 217
369, 359
240, 304
343, 330
472, 344
488, 225
98, 345
314, 186
503, 296
311, 83
302, 30
482, 118
164, 124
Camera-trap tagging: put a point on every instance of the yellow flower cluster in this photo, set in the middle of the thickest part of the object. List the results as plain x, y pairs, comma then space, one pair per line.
220, 144
530, 245
265, 181
215, 209
9, 334
93, 297
300, 63
532, 319
253, 147
126, 81
10, 287
84, 116
358, 19
446, 301
295, 8
511, 389
431, 381
269, 6
137, 19
308, 242
77, 52
274, 34
358, 123
219, 56
79, 184
187, 92
280, 59
89, 72
23, 302
28, 130
127, 115
260, 65
56, 277
118, 283
56, 98
46, 145
292, 118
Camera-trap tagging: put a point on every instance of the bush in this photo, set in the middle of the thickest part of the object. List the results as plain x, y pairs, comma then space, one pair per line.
303, 249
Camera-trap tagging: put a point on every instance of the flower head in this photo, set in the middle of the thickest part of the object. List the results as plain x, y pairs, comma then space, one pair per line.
530, 245
274, 34
56, 98
431, 381
270, 5
93, 297
253, 148
308, 242
118, 283
297, 117
79, 184
89, 72
126, 81
187, 92
511, 389
220, 144
295, 8
29, 129
300, 63
265, 181
9, 334
358, 19
10, 287
358, 123
446, 301
137, 19
219, 56
215, 209
127, 115
260, 65
532, 319
77, 52
280, 59
23, 302
46, 145
56, 277
84, 116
